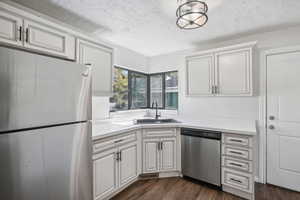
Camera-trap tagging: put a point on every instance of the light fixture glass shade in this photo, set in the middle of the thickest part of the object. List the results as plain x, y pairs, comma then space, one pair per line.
191, 14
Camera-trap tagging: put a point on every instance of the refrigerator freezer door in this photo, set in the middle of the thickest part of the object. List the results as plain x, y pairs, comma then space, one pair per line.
39, 91
50, 164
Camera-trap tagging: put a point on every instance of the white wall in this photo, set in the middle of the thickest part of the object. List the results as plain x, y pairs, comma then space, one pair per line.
130, 59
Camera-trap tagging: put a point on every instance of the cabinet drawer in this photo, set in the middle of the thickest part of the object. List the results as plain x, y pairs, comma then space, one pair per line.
237, 152
160, 132
238, 140
238, 180
237, 164
114, 142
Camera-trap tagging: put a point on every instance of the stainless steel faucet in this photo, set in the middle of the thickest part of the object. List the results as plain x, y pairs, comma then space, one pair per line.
156, 110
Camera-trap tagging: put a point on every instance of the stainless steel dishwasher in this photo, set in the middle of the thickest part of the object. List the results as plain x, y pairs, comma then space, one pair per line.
201, 155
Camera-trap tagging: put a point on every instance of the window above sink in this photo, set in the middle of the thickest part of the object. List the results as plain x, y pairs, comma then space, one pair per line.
136, 90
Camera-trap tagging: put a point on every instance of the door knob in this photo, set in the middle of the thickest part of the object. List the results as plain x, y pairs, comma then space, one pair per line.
271, 118
272, 127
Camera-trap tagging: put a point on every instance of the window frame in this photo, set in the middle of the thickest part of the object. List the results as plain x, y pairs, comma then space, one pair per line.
148, 97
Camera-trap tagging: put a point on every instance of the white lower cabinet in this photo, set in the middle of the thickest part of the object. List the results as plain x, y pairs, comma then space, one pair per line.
128, 164
116, 166
237, 165
150, 155
168, 154
105, 173
159, 153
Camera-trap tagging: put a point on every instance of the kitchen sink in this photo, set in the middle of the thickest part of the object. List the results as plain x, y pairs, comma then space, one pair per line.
156, 121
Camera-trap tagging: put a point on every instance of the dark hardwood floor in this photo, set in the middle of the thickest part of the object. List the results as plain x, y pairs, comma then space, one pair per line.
181, 189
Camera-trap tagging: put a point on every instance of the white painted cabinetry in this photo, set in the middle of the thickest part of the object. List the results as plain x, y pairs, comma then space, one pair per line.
18, 31
237, 165
151, 155
42, 37
168, 154
100, 58
159, 150
200, 75
221, 72
11, 28
234, 72
105, 173
116, 164
128, 163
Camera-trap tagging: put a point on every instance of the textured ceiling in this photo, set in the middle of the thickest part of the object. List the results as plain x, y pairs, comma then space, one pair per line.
148, 26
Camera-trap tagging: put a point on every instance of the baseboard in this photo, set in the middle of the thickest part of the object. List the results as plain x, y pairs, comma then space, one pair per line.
257, 179
169, 174
238, 193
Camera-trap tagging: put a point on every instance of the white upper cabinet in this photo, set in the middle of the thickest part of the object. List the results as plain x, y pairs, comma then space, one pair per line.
100, 58
200, 71
19, 31
48, 39
233, 70
221, 72
11, 29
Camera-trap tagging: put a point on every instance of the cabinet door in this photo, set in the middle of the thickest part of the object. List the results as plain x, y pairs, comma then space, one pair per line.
10, 28
128, 164
48, 39
234, 72
200, 73
105, 174
100, 59
168, 154
150, 156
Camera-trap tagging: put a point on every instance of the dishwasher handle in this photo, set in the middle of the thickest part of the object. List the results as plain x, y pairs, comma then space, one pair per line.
215, 135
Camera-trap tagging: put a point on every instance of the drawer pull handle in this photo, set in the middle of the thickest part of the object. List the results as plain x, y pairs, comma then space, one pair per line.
235, 164
235, 180
117, 141
236, 152
236, 140
20, 33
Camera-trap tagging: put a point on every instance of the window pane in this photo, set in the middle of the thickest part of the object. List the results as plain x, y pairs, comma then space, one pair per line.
138, 90
171, 100
156, 89
119, 101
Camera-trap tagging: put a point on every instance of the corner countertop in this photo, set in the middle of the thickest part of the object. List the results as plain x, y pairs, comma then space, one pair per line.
116, 126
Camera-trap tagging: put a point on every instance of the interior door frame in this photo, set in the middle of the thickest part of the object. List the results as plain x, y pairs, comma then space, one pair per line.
262, 123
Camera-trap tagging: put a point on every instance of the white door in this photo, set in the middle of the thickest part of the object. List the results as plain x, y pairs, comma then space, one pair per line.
128, 164
150, 155
234, 72
100, 58
10, 28
200, 73
168, 154
48, 39
105, 174
283, 113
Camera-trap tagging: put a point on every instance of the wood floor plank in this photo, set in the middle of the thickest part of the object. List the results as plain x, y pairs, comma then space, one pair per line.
181, 189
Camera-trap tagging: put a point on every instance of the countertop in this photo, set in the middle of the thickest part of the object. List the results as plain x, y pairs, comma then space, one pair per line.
110, 127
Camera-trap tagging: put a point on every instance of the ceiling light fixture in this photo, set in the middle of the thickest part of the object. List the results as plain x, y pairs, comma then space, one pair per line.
191, 14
